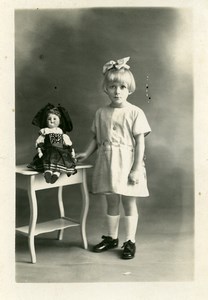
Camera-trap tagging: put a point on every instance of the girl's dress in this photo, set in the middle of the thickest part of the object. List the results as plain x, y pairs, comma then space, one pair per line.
58, 154
115, 129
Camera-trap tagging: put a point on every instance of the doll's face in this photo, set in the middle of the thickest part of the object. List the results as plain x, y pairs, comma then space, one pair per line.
53, 121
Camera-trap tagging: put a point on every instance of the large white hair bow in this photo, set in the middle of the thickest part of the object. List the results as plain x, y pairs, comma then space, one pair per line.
120, 63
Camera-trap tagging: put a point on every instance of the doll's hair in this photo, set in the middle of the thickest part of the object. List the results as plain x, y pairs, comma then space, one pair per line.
54, 111
123, 76
41, 116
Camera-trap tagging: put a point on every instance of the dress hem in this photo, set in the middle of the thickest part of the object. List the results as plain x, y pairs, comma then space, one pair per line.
107, 193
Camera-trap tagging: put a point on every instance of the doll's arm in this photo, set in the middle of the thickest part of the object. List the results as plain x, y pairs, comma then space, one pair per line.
40, 153
67, 140
68, 144
39, 145
138, 159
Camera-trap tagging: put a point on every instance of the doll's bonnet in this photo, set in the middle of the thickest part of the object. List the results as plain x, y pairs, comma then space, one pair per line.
40, 118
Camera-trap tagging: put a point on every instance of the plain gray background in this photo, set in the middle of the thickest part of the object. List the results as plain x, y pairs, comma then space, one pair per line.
59, 56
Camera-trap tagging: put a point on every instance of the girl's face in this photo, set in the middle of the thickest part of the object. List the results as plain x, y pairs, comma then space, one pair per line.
117, 93
53, 121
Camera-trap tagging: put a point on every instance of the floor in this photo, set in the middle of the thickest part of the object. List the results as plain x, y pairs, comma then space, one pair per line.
165, 245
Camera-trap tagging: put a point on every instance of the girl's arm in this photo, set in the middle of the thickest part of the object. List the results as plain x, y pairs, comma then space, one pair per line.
91, 148
138, 159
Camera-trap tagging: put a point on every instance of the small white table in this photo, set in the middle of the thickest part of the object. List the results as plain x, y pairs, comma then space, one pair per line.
33, 181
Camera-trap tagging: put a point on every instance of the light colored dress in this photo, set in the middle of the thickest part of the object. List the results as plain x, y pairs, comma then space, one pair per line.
115, 129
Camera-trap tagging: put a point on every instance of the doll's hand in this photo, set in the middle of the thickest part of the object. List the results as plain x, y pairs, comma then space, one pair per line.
73, 153
40, 153
134, 177
81, 156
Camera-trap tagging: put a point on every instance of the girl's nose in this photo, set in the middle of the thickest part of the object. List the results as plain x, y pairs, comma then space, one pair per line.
117, 90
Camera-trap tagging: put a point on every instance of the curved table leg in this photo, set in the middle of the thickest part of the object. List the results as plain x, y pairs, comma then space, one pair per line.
33, 218
85, 208
61, 211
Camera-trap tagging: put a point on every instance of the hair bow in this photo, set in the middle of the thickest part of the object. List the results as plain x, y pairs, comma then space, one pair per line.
120, 63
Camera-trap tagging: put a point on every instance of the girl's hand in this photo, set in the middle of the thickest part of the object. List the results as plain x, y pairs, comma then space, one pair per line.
81, 156
134, 177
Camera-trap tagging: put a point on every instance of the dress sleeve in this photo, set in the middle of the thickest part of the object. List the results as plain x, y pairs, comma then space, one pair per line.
93, 126
141, 124
67, 140
94, 122
40, 140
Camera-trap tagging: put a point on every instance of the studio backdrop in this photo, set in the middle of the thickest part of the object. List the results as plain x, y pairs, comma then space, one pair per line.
59, 56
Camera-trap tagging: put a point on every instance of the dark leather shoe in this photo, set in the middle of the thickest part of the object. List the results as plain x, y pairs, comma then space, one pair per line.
47, 176
129, 250
107, 243
54, 178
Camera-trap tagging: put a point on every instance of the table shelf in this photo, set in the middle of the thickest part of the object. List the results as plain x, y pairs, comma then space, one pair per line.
49, 226
33, 181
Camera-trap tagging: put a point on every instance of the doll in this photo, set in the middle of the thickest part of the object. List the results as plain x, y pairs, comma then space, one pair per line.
55, 154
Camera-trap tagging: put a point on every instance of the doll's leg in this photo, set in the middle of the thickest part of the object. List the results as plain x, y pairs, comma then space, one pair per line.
47, 175
55, 176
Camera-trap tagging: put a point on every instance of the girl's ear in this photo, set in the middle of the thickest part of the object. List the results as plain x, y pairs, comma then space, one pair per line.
130, 93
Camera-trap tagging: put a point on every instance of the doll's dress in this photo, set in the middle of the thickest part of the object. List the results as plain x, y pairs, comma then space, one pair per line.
58, 153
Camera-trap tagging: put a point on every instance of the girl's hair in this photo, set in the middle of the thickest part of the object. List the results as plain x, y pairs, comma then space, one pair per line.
122, 76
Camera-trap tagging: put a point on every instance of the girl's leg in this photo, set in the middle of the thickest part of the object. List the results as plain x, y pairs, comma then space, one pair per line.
113, 202
131, 221
130, 205
113, 215
112, 219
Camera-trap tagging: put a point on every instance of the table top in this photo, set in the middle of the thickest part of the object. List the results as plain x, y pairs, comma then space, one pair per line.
24, 170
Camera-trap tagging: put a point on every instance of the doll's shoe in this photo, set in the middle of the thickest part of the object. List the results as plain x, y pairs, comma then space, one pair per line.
129, 250
47, 176
107, 243
54, 177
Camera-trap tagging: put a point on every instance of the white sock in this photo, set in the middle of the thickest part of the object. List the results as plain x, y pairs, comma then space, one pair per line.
113, 225
56, 173
48, 171
131, 227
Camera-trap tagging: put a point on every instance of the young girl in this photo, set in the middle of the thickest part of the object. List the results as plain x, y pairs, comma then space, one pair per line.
118, 136
55, 153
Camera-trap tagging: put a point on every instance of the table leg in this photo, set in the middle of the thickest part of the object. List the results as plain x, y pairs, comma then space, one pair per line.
85, 208
33, 218
61, 210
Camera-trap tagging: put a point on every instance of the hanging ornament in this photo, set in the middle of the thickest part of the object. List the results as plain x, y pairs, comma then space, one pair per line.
147, 90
